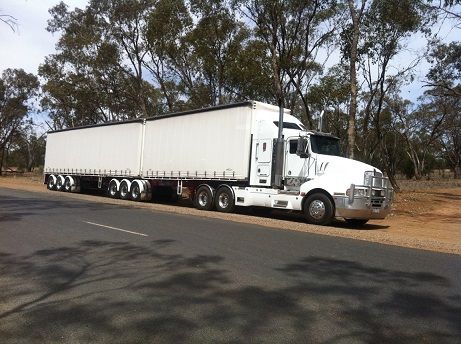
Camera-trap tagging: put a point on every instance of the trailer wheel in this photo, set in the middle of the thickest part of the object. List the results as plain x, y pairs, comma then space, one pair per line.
204, 198
224, 200
124, 190
51, 182
60, 183
135, 191
113, 190
356, 222
70, 184
318, 209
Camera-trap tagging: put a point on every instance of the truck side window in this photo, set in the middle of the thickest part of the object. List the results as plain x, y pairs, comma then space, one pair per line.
293, 146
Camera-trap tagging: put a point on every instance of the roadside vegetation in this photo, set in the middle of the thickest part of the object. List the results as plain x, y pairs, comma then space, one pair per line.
117, 60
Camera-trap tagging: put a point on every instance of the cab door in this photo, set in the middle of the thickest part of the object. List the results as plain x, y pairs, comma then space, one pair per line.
296, 168
263, 161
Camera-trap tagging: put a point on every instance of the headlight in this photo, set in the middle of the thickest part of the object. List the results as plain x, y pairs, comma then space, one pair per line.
378, 193
357, 192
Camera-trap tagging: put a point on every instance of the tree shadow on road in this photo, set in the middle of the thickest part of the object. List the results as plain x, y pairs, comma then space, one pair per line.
101, 291
13, 208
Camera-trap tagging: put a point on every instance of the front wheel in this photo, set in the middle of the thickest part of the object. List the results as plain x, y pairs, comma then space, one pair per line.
318, 209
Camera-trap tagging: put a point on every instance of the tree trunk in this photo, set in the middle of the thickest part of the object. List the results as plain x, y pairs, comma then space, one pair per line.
456, 171
393, 181
356, 17
2, 151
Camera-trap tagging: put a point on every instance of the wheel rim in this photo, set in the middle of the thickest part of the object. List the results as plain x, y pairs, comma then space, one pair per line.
50, 183
202, 198
123, 190
59, 184
317, 209
113, 189
135, 193
223, 200
67, 185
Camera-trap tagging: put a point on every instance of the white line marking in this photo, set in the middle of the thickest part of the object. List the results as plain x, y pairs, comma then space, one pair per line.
115, 228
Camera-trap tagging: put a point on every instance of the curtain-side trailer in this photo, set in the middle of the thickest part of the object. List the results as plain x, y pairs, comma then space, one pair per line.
224, 156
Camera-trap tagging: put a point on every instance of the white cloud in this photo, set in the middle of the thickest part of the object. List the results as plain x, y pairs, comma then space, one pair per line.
27, 47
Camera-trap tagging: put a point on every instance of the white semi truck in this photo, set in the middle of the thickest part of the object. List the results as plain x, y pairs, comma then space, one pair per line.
226, 156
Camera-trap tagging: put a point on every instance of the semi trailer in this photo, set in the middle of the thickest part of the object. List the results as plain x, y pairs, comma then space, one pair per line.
224, 157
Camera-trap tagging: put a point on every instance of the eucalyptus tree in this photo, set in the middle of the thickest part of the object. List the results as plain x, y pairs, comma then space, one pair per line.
351, 35
168, 61
332, 95
386, 28
124, 23
89, 79
17, 90
292, 34
443, 94
217, 40
27, 148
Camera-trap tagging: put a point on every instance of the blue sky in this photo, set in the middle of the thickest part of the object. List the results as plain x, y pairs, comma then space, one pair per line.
27, 47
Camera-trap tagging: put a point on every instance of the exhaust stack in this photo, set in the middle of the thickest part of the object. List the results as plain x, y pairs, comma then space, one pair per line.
277, 179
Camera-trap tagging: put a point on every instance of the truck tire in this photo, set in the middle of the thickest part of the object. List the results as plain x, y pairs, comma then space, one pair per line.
51, 182
224, 200
204, 198
68, 183
60, 183
318, 209
124, 190
356, 222
112, 190
135, 191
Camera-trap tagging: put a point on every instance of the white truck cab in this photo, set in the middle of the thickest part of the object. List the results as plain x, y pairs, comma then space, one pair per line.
316, 179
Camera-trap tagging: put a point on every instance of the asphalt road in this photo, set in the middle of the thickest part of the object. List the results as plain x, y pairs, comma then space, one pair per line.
73, 271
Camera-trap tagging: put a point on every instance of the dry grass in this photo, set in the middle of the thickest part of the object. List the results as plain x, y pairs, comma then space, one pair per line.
418, 185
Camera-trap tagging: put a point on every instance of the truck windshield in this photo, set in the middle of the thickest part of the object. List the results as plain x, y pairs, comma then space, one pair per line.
325, 145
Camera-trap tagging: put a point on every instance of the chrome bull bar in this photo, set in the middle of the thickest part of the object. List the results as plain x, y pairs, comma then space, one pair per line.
376, 187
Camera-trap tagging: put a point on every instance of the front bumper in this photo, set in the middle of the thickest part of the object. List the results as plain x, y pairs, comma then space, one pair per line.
360, 208
370, 201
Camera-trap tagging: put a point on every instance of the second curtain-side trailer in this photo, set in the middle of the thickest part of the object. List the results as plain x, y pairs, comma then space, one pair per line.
225, 157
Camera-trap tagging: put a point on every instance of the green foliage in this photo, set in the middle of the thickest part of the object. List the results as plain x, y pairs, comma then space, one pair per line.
17, 90
124, 59
26, 150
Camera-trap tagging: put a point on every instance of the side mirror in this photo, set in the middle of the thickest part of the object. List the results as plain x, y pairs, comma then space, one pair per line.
302, 151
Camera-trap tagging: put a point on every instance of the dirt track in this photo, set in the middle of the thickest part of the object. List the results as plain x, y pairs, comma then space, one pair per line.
425, 219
